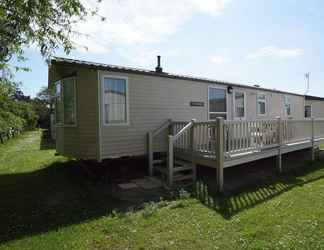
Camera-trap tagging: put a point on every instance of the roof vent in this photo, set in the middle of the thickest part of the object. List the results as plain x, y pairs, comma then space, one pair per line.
256, 85
158, 68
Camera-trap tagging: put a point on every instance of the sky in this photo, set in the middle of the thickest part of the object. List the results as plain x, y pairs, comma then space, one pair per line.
269, 43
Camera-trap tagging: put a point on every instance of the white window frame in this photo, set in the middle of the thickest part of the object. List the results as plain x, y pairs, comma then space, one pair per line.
107, 124
62, 124
311, 109
265, 101
234, 104
285, 110
226, 100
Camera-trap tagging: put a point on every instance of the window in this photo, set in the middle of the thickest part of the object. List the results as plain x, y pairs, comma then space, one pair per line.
217, 103
65, 102
239, 104
287, 105
308, 111
261, 104
115, 100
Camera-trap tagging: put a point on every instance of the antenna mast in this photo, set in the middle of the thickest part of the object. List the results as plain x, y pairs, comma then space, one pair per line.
307, 82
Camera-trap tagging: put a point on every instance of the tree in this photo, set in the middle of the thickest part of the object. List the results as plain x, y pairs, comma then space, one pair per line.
16, 109
46, 23
42, 106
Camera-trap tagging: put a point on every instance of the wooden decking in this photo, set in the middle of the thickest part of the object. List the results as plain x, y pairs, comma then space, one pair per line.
221, 144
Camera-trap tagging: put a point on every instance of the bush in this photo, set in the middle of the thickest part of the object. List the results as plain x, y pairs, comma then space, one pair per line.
9, 121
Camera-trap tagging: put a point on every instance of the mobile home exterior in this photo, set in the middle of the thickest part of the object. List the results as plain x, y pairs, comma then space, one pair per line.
105, 111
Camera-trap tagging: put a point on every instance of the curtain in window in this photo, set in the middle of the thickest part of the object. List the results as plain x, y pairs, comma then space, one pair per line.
65, 102
239, 104
287, 105
308, 111
217, 103
115, 100
261, 105
59, 103
69, 101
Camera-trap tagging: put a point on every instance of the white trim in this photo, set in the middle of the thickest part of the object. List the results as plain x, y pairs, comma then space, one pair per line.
265, 103
226, 97
62, 125
99, 118
244, 105
102, 101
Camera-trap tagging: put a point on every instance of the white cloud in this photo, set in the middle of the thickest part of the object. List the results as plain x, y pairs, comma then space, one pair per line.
219, 60
137, 22
275, 52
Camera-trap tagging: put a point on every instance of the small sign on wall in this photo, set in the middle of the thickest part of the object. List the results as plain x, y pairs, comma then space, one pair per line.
197, 104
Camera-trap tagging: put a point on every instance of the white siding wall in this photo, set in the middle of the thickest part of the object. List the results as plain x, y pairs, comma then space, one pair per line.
274, 107
153, 100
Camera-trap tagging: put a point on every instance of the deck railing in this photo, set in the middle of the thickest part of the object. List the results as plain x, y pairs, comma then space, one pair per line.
226, 139
243, 136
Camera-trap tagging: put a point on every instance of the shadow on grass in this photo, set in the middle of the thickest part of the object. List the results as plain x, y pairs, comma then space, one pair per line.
55, 196
231, 203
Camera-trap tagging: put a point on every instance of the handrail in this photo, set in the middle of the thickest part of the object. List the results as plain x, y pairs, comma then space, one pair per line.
161, 128
184, 129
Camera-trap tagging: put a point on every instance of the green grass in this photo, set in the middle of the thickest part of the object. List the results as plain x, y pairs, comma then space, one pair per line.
47, 203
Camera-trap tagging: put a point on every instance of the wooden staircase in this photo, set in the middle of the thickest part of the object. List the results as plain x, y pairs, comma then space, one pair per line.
182, 172
174, 170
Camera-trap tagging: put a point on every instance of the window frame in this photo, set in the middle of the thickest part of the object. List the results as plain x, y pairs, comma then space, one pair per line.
226, 100
311, 111
62, 124
265, 101
234, 104
285, 109
107, 124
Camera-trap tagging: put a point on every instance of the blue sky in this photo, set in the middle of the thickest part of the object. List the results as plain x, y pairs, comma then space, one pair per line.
270, 43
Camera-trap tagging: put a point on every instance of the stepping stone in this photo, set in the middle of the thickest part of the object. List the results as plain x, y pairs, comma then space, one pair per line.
148, 183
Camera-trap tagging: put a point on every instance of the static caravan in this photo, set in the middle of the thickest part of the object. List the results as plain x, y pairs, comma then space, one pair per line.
314, 107
104, 111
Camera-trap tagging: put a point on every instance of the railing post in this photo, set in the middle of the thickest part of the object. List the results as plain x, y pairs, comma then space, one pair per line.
280, 140
192, 135
193, 149
313, 140
170, 160
219, 150
170, 128
150, 152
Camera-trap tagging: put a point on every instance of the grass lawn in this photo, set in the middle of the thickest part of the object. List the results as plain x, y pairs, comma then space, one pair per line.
47, 203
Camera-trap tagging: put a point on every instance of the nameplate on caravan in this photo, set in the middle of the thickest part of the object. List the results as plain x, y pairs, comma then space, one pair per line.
197, 104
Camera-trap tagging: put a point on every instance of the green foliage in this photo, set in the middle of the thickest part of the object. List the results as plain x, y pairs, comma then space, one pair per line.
48, 24
16, 110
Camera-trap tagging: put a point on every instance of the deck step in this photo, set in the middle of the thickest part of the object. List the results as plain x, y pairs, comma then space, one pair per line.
181, 177
183, 168
159, 161
181, 162
161, 169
